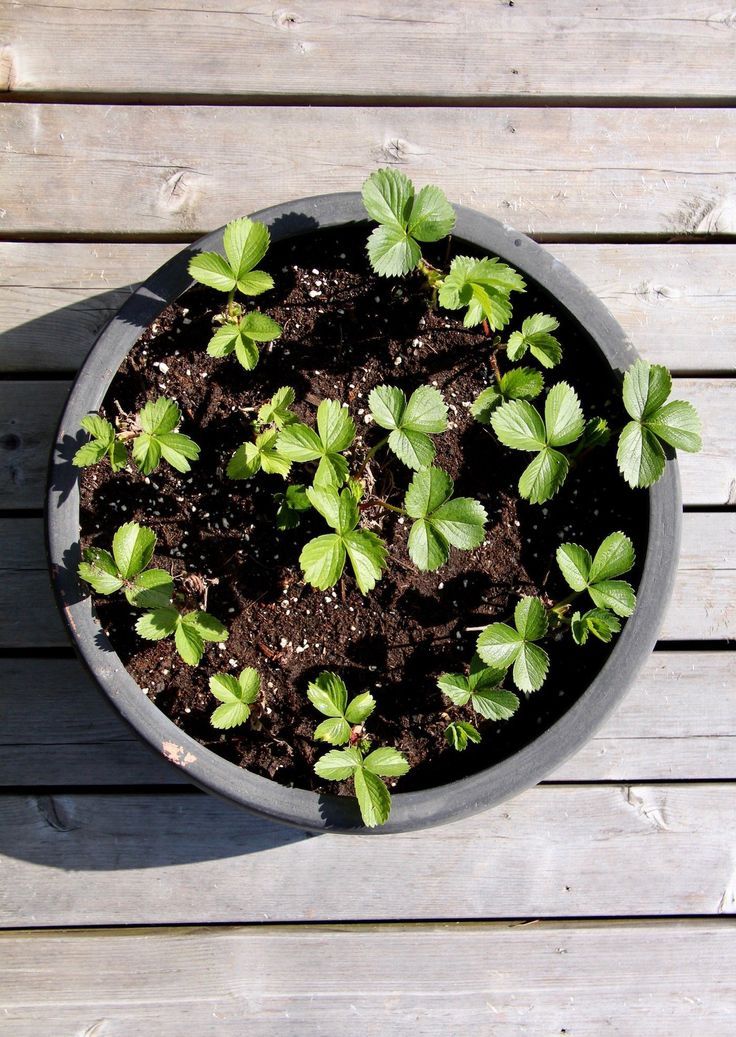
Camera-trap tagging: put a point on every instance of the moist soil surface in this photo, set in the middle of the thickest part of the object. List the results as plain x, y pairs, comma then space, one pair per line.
344, 332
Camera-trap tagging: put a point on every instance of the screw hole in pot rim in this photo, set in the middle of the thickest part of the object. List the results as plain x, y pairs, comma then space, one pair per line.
260, 795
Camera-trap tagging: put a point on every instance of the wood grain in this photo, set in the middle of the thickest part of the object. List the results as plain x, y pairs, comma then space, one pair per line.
675, 724
186, 169
30, 410
56, 298
375, 49
492, 978
555, 851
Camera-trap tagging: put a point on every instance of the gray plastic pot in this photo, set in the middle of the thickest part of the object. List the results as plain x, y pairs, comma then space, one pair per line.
410, 810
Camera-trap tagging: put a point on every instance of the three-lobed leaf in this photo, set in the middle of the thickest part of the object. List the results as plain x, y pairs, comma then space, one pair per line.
323, 559
483, 287
263, 454
236, 695
459, 733
329, 695
640, 455
374, 799
411, 422
440, 521
245, 243
156, 439
501, 645
104, 443
536, 336
597, 575
191, 630
335, 433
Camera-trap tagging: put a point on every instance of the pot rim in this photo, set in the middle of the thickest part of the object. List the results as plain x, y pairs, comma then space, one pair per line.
410, 810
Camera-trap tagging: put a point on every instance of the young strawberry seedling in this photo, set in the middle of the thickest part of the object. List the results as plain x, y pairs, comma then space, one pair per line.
237, 695
345, 718
374, 799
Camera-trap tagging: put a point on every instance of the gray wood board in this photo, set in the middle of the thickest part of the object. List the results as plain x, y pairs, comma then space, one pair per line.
649, 979
555, 851
370, 48
186, 169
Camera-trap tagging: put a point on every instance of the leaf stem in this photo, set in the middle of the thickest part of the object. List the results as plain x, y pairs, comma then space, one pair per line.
385, 504
230, 298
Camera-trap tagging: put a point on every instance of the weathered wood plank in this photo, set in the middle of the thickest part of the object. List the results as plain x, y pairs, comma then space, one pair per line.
57, 729
652, 979
374, 49
703, 606
567, 850
56, 298
29, 412
561, 171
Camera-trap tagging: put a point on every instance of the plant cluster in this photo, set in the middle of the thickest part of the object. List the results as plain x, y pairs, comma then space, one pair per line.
337, 481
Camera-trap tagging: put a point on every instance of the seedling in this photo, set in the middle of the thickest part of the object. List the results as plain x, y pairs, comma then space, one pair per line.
345, 718
440, 520
246, 243
323, 559
237, 695
127, 569
520, 383
264, 454
411, 423
501, 646
405, 217
536, 336
459, 733
335, 433
277, 412
482, 287
481, 689
151, 433
599, 622
374, 799
519, 425
190, 630
640, 455
104, 443
242, 337
598, 575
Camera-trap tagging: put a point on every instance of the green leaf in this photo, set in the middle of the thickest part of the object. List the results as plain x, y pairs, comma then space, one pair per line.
117, 454
392, 252
535, 335
640, 455
236, 696
157, 624
336, 431
89, 454
387, 762
485, 404
338, 764
255, 283
411, 421
374, 799
100, 571
617, 595
151, 589
335, 426
189, 643
178, 450
246, 243
483, 286
98, 428
646, 387
245, 462
102, 442
208, 627
461, 522
290, 506
530, 668
367, 554
459, 733
575, 563
499, 645
243, 337
563, 415
299, 443
322, 561
360, 708
387, 404
427, 490
387, 196
519, 425
599, 622
159, 416
249, 458
428, 549
132, 548
521, 383
328, 694
495, 703
213, 270
276, 411
614, 557
414, 449
530, 618
456, 686
543, 477
431, 217
146, 453
678, 424
595, 433
335, 730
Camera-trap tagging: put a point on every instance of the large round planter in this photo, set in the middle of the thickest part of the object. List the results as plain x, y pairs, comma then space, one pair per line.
410, 810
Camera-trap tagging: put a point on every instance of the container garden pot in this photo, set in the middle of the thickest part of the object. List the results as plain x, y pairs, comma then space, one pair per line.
549, 745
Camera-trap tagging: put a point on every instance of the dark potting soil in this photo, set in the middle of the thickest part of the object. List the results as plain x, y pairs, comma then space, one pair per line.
346, 331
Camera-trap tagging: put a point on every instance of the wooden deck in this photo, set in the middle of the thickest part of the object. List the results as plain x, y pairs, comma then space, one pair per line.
600, 902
